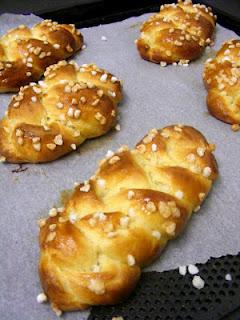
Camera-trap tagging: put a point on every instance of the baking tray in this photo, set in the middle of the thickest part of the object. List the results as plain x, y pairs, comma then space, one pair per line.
170, 296
153, 97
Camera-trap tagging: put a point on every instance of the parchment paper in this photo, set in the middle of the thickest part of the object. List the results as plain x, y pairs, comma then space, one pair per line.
154, 97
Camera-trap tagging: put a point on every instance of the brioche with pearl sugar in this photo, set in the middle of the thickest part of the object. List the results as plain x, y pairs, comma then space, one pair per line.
26, 52
92, 250
177, 34
48, 119
222, 80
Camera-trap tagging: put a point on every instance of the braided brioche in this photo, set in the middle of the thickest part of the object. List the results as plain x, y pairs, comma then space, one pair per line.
25, 53
47, 120
93, 249
178, 33
222, 79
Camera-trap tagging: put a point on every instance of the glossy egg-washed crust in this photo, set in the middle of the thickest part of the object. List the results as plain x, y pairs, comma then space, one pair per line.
222, 79
121, 219
26, 52
178, 33
48, 119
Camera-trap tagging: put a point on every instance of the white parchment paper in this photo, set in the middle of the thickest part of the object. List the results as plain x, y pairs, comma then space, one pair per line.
154, 97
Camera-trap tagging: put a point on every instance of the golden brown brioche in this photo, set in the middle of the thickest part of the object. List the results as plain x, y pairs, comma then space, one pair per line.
222, 79
47, 120
178, 33
25, 53
93, 249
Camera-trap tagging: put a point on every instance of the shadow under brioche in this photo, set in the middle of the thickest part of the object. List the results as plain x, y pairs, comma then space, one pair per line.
48, 119
222, 80
178, 33
93, 249
25, 53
